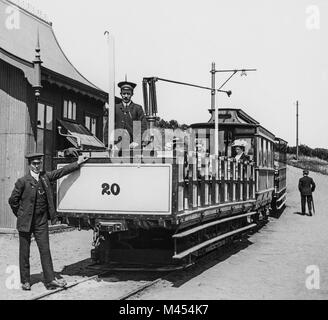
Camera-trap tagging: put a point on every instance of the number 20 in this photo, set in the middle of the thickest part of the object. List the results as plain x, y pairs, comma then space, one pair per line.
114, 189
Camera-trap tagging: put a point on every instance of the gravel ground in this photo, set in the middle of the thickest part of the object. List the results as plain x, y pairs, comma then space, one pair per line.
270, 264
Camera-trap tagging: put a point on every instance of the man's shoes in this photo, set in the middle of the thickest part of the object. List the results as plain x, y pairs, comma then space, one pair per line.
55, 284
26, 286
310, 214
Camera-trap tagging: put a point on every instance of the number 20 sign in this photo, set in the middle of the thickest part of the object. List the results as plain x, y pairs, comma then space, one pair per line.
108, 189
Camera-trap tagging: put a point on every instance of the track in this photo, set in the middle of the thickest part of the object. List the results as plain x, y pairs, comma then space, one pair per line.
115, 283
69, 286
138, 286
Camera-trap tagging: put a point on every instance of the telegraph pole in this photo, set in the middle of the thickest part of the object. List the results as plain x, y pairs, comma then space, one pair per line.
215, 109
111, 89
297, 116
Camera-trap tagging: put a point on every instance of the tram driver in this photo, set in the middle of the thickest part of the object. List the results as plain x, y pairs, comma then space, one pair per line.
127, 112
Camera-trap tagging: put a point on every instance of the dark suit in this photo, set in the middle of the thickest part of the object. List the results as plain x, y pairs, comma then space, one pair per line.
32, 203
306, 186
124, 118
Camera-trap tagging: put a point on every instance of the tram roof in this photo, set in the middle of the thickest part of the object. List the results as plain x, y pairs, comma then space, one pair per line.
229, 116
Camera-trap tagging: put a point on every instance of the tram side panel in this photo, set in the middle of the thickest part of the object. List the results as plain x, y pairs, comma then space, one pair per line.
280, 195
147, 206
116, 191
265, 171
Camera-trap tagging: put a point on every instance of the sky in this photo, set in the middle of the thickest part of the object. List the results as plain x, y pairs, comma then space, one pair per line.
286, 41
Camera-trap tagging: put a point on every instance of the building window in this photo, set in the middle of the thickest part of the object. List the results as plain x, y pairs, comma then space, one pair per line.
91, 124
44, 143
69, 110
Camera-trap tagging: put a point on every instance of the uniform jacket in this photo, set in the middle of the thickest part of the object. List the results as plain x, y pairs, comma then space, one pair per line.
306, 186
125, 121
22, 200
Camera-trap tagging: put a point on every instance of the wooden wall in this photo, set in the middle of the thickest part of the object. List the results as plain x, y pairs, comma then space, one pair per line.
55, 96
16, 136
18, 127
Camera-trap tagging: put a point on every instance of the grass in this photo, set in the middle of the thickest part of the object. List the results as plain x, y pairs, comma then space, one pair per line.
309, 163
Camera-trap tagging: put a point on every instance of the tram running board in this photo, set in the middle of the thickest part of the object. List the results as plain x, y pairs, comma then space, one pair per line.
211, 224
205, 244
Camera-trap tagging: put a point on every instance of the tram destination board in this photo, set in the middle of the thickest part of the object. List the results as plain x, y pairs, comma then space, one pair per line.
117, 189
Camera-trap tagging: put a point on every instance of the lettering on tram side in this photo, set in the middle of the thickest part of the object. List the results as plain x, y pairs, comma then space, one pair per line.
108, 189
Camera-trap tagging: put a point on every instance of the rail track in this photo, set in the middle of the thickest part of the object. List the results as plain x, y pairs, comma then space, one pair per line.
102, 275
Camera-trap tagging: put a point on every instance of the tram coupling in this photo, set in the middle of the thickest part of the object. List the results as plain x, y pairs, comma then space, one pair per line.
112, 226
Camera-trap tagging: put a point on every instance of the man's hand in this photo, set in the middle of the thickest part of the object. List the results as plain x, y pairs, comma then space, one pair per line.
82, 159
134, 145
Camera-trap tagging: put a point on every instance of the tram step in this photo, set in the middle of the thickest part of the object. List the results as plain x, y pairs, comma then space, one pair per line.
207, 225
205, 244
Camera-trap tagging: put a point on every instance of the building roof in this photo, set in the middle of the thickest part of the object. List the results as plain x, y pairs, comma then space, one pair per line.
21, 42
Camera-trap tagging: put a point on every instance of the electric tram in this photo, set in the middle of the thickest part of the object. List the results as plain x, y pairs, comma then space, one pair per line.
168, 207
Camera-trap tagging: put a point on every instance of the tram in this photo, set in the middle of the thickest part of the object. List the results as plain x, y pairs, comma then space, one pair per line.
168, 208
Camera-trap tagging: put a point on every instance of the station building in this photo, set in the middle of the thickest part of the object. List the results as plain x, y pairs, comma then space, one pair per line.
42, 96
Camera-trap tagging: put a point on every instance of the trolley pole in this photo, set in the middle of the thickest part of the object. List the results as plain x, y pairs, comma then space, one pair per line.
297, 117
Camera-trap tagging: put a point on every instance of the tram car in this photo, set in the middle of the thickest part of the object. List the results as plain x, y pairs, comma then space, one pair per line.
168, 208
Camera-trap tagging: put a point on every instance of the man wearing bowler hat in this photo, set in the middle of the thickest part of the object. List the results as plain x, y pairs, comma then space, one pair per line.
128, 112
306, 186
32, 203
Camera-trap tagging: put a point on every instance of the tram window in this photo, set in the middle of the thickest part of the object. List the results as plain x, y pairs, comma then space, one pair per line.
270, 155
222, 146
261, 153
265, 153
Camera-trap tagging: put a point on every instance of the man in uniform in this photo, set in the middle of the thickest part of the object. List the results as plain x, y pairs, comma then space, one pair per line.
127, 112
32, 203
306, 187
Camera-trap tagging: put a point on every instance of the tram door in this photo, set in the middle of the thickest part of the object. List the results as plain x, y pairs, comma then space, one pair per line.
45, 134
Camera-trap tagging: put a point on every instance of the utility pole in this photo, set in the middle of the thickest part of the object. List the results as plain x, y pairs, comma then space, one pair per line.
215, 109
111, 89
215, 105
297, 116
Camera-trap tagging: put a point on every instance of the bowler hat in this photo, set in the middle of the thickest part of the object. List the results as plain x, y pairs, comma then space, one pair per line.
127, 85
33, 156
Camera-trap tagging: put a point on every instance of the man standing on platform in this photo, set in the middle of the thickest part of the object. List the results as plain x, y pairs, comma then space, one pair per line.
32, 203
306, 186
128, 112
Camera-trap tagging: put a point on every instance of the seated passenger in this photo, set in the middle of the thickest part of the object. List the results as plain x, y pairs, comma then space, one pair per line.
240, 146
